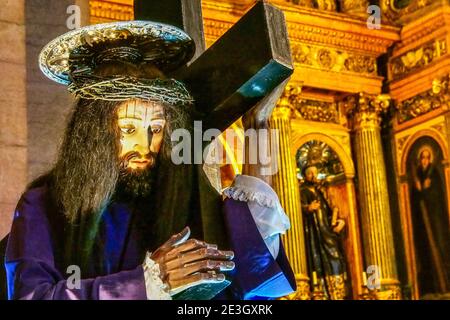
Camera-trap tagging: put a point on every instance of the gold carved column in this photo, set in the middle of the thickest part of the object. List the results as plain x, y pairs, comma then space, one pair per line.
286, 186
373, 192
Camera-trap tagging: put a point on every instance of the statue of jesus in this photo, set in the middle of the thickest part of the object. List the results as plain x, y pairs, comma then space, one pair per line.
116, 207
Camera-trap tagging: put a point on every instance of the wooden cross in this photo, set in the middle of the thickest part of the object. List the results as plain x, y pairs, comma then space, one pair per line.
240, 70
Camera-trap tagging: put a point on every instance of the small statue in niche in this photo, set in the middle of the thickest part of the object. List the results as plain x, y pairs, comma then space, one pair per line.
326, 261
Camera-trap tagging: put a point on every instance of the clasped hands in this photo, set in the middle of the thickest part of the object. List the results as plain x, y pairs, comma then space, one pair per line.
187, 263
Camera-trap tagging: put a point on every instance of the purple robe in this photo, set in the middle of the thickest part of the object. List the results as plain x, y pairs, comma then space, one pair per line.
32, 272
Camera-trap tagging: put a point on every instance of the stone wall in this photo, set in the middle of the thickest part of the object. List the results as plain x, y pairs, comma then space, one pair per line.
33, 109
13, 109
48, 102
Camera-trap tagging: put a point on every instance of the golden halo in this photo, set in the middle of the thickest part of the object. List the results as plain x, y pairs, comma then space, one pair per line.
166, 46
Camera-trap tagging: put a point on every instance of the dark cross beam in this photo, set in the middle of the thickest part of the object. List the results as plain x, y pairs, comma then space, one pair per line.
241, 68
184, 14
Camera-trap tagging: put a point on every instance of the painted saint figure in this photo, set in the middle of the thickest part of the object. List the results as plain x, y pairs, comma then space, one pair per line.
326, 262
430, 225
114, 203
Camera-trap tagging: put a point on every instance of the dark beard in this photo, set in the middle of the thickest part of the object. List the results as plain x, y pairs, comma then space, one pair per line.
135, 183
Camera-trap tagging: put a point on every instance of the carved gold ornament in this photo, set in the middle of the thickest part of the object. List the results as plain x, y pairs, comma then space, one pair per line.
327, 5
435, 98
336, 287
302, 292
333, 59
398, 10
315, 110
417, 58
354, 6
303, 3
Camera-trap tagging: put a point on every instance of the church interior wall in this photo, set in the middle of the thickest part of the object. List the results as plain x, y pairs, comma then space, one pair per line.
48, 103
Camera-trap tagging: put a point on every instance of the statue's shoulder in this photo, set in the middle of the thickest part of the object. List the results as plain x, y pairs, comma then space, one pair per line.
35, 195
32, 203
37, 191
249, 188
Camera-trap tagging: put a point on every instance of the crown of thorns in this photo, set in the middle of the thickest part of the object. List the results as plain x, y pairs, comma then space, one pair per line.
121, 88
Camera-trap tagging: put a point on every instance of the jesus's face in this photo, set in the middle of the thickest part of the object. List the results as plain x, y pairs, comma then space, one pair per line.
141, 125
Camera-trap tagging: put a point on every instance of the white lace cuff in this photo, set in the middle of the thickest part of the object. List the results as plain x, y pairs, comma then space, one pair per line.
265, 207
156, 289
